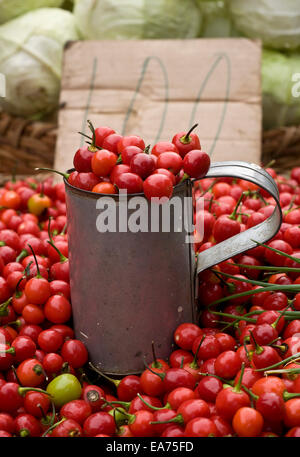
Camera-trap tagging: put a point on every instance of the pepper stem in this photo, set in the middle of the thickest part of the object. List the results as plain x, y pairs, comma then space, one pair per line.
283, 371
160, 375
252, 395
258, 349
186, 138
275, 323
225, 381
36, 262
126, 404
235, 318
23, 390
269, 268
288, 395
61, 256
233, 214
238, 386
64, 175
291, 288
49, 227
177, 419
246, 351
194, 364
184, 178
278, 364
92, 147
116, 382
3, 307
18, 293
53, 427
155, 408
63, 232
22, 255
295, 259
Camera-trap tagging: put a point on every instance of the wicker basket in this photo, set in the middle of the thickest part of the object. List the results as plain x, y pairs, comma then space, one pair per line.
26, 144
283, 146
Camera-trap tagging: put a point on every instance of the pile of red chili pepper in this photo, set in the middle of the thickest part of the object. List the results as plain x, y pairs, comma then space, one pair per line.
237, 373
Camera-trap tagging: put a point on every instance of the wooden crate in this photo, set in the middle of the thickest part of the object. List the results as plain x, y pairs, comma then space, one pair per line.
155, 88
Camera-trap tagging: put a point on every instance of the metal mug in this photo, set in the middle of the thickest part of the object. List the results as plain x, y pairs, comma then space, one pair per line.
129, 289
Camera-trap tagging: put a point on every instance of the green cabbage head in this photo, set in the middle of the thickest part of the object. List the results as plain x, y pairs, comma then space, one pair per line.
9, 9
281, 105
137, 19
275, 22
31, 49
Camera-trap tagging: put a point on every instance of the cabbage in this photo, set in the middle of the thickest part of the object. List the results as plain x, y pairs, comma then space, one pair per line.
276, 22
216, 20
280, 107
9, 9
137, 19
31, 48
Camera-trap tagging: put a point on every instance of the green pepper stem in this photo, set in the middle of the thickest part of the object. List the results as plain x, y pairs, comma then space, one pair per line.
229, 285
11, 350
295, 259
53, 414
184, 178
53, 427
116, 382
64, 175
233, 214
194, 364
252, 395
291, 288
126, 404
283, 371
92, 147
63, 232
4, 306
155, 408
49, 227
258, 349
278, 364
283, 347
249, 281
288, 395
23, 390
275, 323
160, 375
237, 387
186, 138
246, 351
61, 256
225, 381
36, 262
22, 255
270, 268
27, 269
232, 316
177, 419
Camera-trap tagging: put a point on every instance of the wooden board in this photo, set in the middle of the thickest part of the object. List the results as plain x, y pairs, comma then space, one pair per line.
155, 88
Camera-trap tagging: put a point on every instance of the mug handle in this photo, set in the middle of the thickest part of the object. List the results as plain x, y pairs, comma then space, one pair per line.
242, 241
